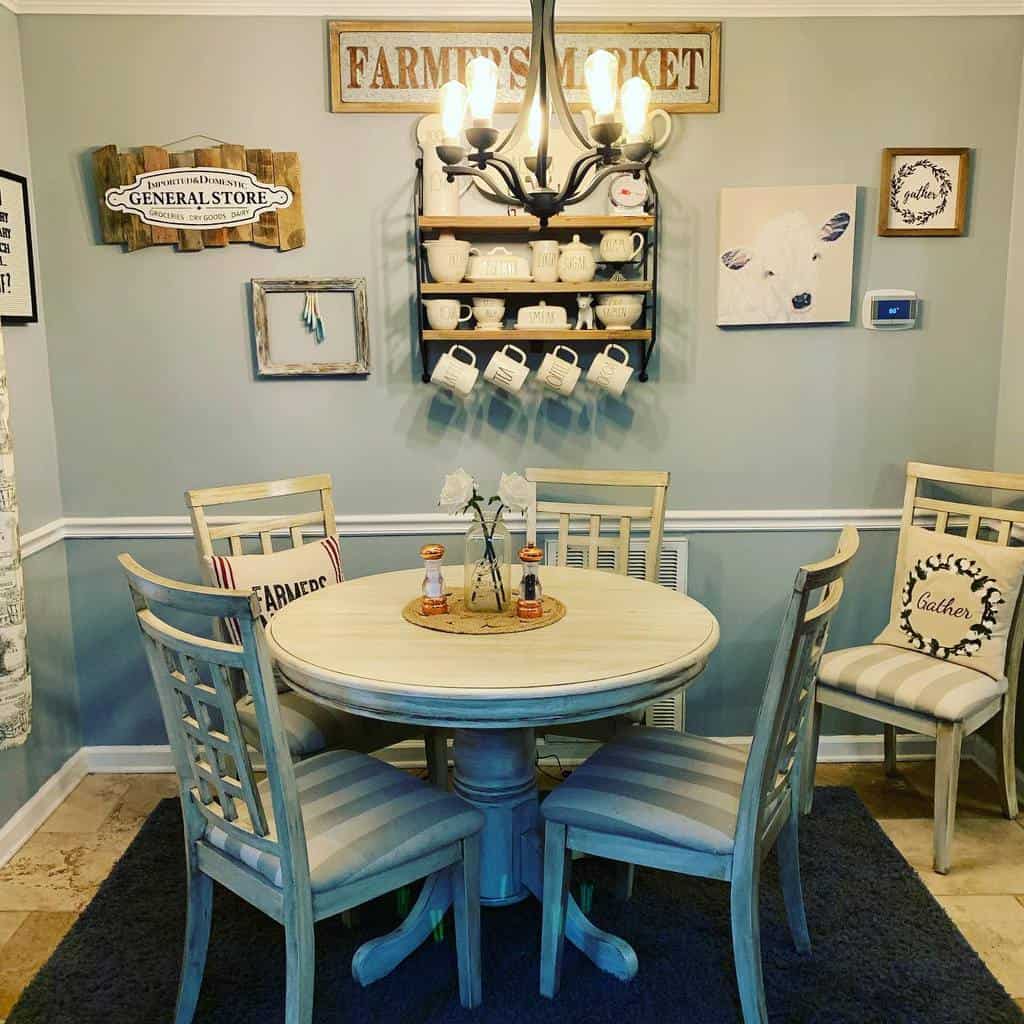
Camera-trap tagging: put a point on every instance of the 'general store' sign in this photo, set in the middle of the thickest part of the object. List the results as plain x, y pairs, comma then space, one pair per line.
385, 67
198, 197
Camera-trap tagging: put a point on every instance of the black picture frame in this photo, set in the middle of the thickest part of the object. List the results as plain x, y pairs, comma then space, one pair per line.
29, 268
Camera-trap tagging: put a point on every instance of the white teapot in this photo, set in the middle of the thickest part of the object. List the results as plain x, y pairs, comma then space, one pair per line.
576, 264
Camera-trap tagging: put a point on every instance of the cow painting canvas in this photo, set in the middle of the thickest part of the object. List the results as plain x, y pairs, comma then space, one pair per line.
785, 255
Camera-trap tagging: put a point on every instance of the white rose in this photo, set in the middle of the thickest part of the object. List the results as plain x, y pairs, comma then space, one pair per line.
515, 491
457, 491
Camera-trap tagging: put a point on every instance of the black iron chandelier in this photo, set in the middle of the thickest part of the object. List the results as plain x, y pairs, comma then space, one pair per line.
607, 152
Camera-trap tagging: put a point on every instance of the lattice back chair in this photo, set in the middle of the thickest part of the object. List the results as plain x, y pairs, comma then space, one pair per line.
999, 525
708, 833
310, 727
592, 543
249, 836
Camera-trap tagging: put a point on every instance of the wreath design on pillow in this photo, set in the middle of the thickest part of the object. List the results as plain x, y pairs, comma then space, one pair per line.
981, 631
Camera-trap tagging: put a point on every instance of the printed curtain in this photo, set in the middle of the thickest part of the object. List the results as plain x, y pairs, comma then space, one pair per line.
15, 681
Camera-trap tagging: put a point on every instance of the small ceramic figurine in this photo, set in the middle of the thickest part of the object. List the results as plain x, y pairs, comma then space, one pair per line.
434, 600
585, 317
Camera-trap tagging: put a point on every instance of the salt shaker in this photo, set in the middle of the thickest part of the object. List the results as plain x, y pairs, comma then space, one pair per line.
434, 600
530, 604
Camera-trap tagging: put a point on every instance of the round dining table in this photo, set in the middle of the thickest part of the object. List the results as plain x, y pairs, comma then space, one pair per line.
622, 644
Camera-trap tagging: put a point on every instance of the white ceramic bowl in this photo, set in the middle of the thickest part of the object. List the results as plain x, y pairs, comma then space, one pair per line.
619, 312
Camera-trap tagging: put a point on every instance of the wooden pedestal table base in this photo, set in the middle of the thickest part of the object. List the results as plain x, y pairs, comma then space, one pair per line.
494, 771
624, 644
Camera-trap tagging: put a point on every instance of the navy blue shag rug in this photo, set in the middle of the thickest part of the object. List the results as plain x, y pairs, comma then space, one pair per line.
884, 951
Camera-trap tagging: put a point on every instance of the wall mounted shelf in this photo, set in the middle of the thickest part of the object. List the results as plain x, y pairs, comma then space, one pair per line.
519, 229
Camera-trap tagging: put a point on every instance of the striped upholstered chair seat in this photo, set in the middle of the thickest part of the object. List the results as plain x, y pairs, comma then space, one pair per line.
361, 817
657, 785
907, 679
310, 727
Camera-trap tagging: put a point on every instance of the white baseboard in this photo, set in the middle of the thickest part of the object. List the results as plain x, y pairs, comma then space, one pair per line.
140, 760
19, 829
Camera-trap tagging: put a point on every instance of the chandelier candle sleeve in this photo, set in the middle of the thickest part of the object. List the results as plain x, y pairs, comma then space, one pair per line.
453, 111
482, 80
435, 600
601, 72
635, 98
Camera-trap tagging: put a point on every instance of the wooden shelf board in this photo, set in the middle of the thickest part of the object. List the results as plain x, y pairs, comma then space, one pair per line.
533, 287
567, 222
512, 334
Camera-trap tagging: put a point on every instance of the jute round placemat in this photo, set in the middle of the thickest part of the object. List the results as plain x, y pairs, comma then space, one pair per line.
460, 620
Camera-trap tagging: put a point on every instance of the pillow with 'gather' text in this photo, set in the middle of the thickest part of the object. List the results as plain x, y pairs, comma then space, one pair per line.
957, 599
280, 578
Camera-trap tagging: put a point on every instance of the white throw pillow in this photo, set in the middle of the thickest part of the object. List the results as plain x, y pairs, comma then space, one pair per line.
957, 599
280, 578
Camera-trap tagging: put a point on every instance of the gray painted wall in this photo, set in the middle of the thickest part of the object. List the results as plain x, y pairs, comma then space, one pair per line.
152, 359
55, 731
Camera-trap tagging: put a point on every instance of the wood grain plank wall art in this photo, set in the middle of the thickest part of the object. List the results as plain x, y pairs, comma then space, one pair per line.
199, 199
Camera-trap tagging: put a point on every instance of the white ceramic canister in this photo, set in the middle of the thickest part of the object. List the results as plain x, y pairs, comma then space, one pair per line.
447, 258
544, 260
576, 263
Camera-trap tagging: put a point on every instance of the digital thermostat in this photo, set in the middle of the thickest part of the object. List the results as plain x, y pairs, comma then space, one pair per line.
889, 310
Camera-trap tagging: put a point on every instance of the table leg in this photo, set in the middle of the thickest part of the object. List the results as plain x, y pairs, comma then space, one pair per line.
380, 956
609, 952
495, 772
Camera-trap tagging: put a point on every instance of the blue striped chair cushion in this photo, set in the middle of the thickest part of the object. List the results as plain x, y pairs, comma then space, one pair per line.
657, 785
312, 728
362, 817
907, 679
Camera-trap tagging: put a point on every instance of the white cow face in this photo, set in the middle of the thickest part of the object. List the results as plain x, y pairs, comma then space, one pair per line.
785, 258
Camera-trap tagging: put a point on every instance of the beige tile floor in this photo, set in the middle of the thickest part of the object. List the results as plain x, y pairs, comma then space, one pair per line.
52, 878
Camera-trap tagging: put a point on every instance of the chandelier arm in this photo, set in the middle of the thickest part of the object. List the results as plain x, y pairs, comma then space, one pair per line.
493, 192
580, 168
624, 168
555, 93
515, 133
509, 175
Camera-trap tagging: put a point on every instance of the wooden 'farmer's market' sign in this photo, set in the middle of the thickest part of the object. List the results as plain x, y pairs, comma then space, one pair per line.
199, 198
381, 67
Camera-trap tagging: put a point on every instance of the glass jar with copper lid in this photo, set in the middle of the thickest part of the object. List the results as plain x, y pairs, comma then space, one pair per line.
530, 604
434, 600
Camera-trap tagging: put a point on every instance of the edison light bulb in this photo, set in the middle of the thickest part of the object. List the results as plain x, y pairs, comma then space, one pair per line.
453, 109
482, 79
602, 74
533, 125
635, 96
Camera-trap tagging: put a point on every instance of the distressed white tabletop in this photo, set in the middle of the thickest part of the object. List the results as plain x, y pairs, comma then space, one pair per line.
622, 643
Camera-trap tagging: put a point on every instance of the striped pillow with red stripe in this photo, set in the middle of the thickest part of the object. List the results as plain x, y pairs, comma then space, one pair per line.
280, 578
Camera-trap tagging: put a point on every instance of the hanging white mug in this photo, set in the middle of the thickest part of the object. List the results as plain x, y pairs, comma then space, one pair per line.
560, 374
621, 246
505, 372
457, 374
611, 375
446, 314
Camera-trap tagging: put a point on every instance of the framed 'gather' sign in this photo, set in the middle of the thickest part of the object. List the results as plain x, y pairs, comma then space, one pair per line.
17, 271
923, 192
388, 67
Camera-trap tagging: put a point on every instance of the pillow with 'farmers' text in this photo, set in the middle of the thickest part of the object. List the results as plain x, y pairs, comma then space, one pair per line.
956, 600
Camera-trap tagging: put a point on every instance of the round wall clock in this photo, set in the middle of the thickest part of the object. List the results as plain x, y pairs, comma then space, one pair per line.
627, 195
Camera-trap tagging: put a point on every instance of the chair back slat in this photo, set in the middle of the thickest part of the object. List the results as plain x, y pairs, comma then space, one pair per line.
1004, 526
590, 542
194, 680
786, 702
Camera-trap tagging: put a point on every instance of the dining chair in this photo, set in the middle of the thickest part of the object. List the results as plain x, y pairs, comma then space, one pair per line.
695, 806
881, 682
597, 541
312, 839
309, 727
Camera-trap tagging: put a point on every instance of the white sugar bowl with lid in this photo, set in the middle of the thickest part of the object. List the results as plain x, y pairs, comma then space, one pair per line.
576, 264
542, 316
447, 258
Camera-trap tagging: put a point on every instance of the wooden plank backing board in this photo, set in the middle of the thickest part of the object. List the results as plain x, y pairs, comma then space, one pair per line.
282, 228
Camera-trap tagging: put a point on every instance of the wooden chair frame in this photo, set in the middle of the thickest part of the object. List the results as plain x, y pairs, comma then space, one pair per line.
768, 811
592, 543
949, 736
296, 523
215, 774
